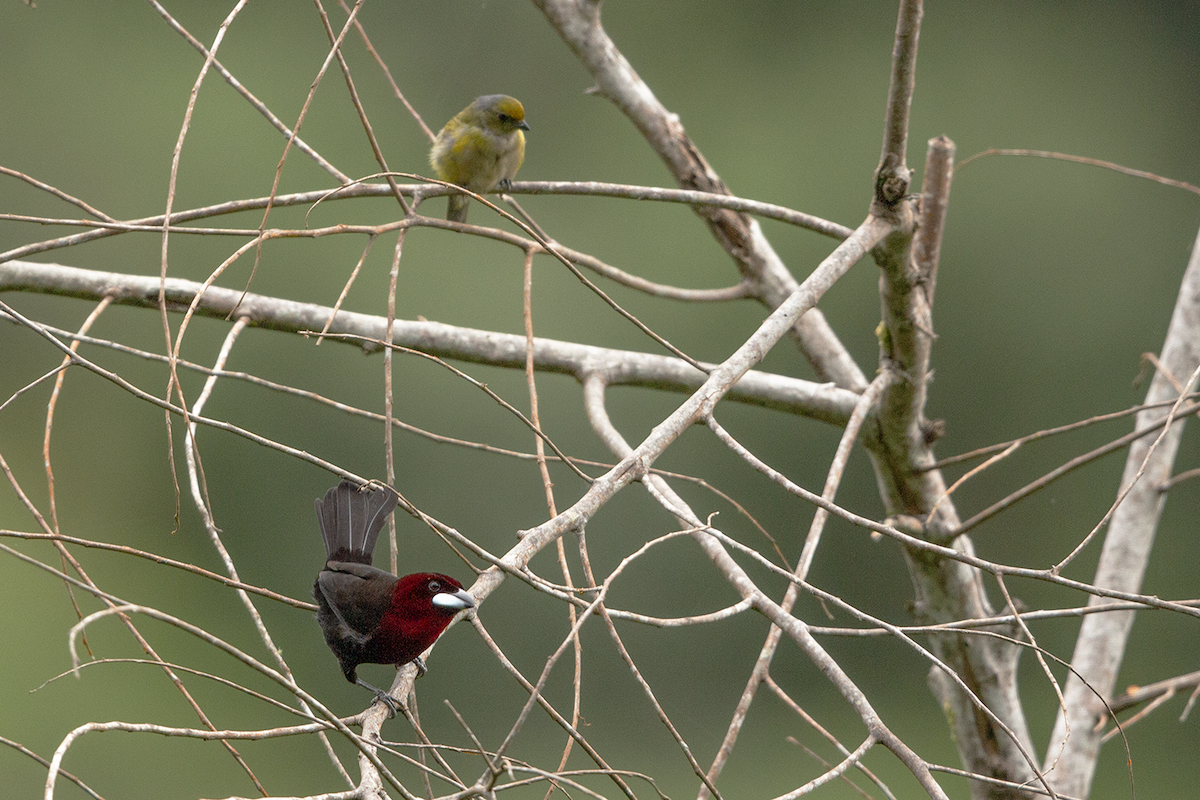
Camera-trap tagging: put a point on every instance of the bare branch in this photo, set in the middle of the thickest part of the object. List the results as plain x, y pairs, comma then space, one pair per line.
822, 402
1102, 637
578, 23
892, 175
992, 736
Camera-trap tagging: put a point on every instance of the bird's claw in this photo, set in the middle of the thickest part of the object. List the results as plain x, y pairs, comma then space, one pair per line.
393, 705
419, 663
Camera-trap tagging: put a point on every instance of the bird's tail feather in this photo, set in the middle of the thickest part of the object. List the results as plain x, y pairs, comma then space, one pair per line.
456, 211
351, 519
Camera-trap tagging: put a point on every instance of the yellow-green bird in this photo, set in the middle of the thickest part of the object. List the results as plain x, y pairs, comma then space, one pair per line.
480, 149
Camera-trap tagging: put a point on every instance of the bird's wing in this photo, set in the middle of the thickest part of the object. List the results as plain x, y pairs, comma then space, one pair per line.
358, 595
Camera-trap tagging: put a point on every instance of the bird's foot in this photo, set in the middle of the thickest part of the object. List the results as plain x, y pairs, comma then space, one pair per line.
392, 703
504, 185
420, 665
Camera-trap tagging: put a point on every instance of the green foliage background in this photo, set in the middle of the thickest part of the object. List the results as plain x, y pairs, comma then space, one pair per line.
1054, 279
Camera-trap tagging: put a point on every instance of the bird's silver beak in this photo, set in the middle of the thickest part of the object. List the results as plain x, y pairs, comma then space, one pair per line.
454, 601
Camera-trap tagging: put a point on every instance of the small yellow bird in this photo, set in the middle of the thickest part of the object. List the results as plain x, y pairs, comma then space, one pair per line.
480, 149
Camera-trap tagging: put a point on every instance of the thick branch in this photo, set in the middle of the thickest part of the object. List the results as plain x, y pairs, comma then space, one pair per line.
578, 23
1103, 637
820, 401
945, 590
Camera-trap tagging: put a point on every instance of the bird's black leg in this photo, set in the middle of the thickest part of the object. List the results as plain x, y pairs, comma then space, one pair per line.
421, 668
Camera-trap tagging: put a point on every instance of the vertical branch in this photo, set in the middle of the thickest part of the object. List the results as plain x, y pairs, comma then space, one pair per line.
389, 397
176, 155
944, 590
1103, 637
935, 198
46, 460
892, 175
54, 395
552, 507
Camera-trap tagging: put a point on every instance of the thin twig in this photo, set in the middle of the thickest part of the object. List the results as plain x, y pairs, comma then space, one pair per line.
1091, 162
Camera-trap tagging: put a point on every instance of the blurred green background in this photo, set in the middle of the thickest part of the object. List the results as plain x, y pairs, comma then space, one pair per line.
1054, 279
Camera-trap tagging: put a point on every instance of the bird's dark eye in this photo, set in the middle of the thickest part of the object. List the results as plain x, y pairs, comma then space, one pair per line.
505, 118
435, 587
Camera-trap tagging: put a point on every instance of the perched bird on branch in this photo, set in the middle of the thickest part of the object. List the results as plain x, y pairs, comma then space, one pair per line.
480, 149
370, 616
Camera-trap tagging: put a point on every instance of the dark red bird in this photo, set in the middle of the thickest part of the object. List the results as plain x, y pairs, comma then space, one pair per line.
370, 616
